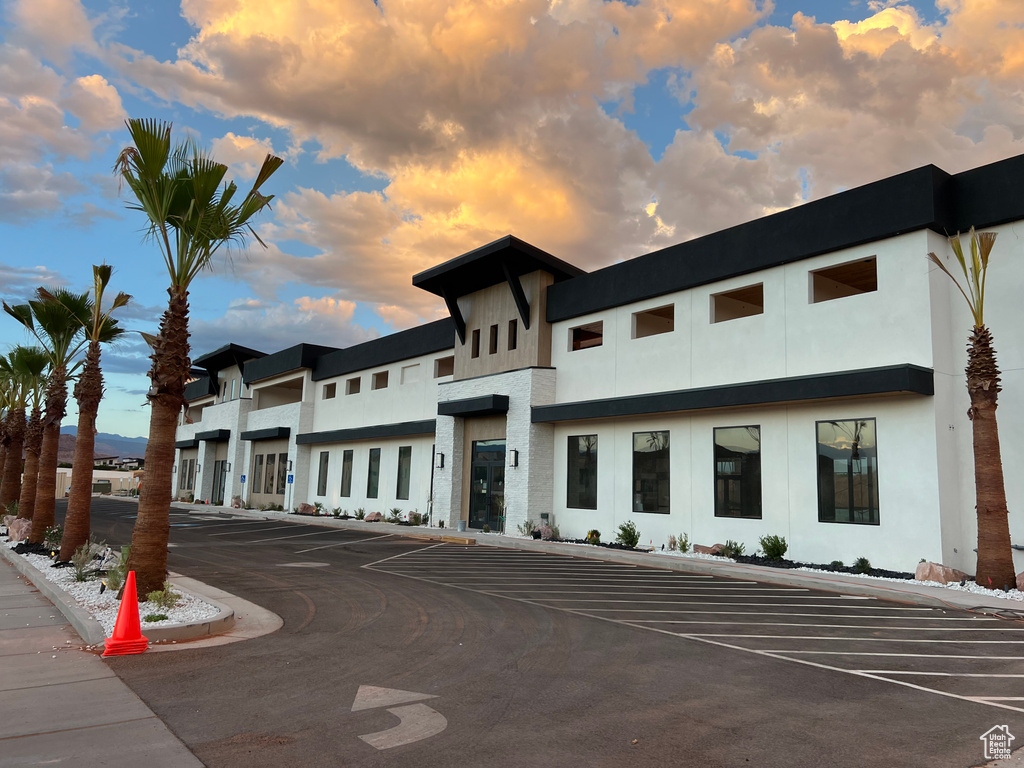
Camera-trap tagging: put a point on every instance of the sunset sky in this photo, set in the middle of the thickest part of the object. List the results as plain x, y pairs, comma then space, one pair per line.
415, 130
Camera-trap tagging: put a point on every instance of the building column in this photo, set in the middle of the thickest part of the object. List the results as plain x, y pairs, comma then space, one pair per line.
449, 438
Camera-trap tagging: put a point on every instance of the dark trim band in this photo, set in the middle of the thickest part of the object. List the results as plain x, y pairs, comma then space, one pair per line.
374, 432
485, 405
266, 434
216, 435
192, 443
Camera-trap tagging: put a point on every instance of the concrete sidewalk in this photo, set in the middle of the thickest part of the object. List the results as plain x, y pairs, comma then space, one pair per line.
62, 705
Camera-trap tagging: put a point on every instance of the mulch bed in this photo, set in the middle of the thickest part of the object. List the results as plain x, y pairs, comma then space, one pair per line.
756, 560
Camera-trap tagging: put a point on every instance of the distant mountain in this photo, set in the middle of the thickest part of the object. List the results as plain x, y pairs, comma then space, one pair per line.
107, 444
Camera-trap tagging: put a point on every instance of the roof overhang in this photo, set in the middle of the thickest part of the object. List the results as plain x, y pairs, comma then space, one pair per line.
485, 405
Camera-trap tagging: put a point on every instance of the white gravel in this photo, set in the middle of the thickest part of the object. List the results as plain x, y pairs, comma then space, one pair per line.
188, 610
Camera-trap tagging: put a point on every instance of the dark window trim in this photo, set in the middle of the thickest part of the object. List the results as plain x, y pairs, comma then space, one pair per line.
714, 465
878, 500
568, 467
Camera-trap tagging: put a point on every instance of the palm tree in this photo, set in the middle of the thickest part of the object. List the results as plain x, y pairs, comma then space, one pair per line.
5, 404
13, 365
60, 334
34, 361
178, 188
995, 556
101, 328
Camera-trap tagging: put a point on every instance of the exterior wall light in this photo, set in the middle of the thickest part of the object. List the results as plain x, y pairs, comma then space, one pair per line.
439, 460
227, 466
289, 465
513, 458
174, 468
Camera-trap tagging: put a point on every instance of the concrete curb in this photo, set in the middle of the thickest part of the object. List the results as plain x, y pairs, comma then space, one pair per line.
223, 622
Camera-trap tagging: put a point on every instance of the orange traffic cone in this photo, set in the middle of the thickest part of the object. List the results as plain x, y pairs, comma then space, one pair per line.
127, 637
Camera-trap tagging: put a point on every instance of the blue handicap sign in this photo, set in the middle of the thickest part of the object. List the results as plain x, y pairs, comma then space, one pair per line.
243, 478
291, 478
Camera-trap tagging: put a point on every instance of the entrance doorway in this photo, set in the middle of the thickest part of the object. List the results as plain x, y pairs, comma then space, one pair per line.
487, 485
220, 471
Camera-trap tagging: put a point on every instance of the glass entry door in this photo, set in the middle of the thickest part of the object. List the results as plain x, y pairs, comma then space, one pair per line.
220, 471
487, 485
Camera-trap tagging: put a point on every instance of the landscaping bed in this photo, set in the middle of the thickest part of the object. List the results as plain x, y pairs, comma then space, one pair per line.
880, 573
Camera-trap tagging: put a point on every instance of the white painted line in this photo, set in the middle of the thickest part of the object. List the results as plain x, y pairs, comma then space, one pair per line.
416, 721
342, 543
400, 554
908, 655
258, 530
996, 698
829, 616
851, 639
930, 674
293, 536
498, 593
815, 626
247, 522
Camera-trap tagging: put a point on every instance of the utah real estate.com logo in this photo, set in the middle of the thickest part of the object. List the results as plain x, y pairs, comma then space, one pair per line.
997, 742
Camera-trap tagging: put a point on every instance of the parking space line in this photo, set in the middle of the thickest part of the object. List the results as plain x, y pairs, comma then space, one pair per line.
293, 536
258, 530
931, 674
907, 655
824, 626
400, 554
848, 639
831, 616
341, 543
245, 522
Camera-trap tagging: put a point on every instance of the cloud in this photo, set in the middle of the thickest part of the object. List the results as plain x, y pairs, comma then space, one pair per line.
29, 191
242, 154
95, 103
55, 28
18, 283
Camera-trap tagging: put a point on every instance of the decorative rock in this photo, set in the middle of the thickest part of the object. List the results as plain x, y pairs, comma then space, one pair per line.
374, 517
306, 509
18, 530
1020, 581
938, 572
700, 549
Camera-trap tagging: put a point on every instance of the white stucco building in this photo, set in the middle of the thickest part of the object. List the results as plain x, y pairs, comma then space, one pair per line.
799, 375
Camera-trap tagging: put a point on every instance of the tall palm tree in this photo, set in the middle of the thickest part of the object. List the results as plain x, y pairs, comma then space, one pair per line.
190, 216
13, 365
5, 402
101, 328
34, 362
995, 555
60, 334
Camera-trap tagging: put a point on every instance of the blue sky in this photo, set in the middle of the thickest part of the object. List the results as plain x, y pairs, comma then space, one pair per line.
414, 131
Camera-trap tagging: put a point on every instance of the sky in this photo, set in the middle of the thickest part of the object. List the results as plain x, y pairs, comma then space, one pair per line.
416, 130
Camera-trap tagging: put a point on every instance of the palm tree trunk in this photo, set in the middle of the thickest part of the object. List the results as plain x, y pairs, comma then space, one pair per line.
46, 484
995, 556
148, 557
12, 467
3, 456
88, 393
33, 437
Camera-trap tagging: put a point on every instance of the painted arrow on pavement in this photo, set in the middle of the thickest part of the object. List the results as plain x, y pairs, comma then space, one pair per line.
416, 721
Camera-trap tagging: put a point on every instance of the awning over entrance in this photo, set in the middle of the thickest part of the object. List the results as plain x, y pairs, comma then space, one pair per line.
485, 405
216, 435
266, 434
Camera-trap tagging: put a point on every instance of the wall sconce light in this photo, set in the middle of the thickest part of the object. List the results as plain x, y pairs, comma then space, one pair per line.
199, 468
439, 460
227, 466
513, 458
289, 465
174, 468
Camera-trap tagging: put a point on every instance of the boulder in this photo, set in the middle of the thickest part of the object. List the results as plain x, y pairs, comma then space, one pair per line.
18, 530
938, 572
1020, 581
700, 549
374, 517
306, 509
8, 519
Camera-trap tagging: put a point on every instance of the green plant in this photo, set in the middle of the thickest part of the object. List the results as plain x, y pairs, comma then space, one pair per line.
837, 564
155, 617
360, 513
118, 573
12, 508
165, 598
628, 535
555, 533
336, 512
415, 518
731, 549
774, 547
593, 536
487, 528
862, 565
319, 505
52, 536
527, 527
84, 556
684, 542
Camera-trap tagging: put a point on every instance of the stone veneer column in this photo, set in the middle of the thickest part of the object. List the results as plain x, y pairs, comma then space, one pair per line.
447, 506
207, 454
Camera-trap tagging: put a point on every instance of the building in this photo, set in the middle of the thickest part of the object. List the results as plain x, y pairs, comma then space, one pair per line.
799, 375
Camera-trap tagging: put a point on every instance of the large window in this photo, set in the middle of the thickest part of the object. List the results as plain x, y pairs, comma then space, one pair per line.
847, 472
373, 474
404, 470
321, 478
282, 472
268, 487
581, 480
650, 472
257, 474
738, 472
346, 474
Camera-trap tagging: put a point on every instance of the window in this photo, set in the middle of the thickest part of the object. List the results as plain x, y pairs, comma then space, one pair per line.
581, 480
650, 472
330, 390
352, 386
373, 474
224, 392
513, 334
257, 474
346, 474
847, 472
321, 478
444, 366
738, 472
843, 280
404, 470
282, 472
492, 344
268, 486
410, 373
651, 322
379, 380
475, 351
732, 305
586, 336
233, 382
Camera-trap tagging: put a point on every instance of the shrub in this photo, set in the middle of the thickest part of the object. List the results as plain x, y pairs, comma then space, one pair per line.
628, 535
672, 543
395, 515
52, 536
862, 565
731, 549
774, 547
555, 533
83, 557
837, 564
360, 513
319, 506
336, 512
165, 598
593, 536
12, 508
546, 532
415, 518
156, 616
684, 542
118, 573
487, 528
527, 527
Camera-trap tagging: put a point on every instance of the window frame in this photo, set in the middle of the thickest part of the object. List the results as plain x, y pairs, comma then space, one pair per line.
873, 484
373, 474
406, 463
577, 342
637, 316
330, 391
638, 492
581, 501
347, 461
718, 477
322, 470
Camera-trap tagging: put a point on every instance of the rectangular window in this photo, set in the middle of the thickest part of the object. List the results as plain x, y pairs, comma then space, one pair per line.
581, 480
224, 392
321, 477
373, 474
651, 322
352, 386
513, 334
586, 336
282, 472
475, 351
346, 474
379, 380
330, 390
268, 486
743, 302
257, 474
492, 344
410, 373
847, 472
233, 382
444, 366
843, 280
738, 472
650, 472
191, 474
404, 471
